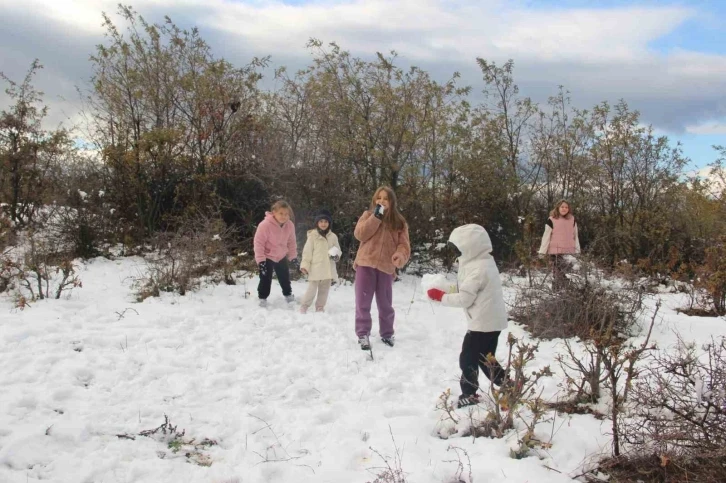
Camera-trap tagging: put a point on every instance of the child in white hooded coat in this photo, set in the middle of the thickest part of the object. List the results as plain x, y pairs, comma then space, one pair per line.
480, 295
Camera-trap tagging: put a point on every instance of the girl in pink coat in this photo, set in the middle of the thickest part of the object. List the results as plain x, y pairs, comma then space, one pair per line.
275, 244
560, 238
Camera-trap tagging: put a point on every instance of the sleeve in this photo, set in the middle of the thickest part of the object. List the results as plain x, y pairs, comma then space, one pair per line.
366, 226
292, 244
545, 245
259, 243
577, 240
468, 289
404, 244
307, 255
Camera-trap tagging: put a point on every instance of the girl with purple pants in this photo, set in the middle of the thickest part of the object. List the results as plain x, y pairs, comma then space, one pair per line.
384, 246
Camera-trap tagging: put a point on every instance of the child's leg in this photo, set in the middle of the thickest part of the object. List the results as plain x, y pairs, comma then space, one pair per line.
263, 288
487, 344
469, 365
309, 295
365, 287
283, 276
384, 301
323, 290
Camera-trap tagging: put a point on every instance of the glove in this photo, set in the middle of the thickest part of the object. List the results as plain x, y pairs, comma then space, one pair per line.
336, 258
263, 269
294, 263
378, 213
436, 294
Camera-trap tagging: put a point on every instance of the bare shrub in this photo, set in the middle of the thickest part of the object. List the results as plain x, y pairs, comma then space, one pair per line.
517, 399
584, 305
680, 402
200, 248
392, 472
40, 270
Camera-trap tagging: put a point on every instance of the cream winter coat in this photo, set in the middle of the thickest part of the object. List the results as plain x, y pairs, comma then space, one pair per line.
316, 259
479, 286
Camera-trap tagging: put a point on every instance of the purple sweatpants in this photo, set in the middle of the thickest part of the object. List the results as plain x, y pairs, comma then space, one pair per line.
370, 281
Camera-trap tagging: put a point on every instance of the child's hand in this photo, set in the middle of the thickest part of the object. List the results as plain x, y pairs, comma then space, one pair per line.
436, 294
304, 271
397, 260
379, 212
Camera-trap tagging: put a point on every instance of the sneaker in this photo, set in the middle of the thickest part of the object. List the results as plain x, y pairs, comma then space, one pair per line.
263, 303
389, 341
364, 343
303, 309
468, 400
289, 298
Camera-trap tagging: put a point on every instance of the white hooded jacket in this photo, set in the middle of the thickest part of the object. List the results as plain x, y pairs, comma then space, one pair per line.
479, 285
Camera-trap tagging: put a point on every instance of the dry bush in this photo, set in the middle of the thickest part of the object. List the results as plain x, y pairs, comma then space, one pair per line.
680, 402
392, 472
38, 268
85, 223
516, 400
584, 305
200, 248
675, 429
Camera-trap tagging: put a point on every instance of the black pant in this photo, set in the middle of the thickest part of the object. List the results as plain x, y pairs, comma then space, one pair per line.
283, 276
474, 352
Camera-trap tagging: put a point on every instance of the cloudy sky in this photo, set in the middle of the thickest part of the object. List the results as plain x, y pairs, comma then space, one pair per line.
666, 58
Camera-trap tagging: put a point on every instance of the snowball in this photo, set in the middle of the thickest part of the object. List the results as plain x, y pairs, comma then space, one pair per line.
439, 281
334, 252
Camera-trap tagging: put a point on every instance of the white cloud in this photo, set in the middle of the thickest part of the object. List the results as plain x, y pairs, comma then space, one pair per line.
713, 128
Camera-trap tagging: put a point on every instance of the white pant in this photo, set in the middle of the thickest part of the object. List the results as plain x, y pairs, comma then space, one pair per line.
321, 287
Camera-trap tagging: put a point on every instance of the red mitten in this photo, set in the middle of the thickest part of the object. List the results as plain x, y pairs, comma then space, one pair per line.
436, 294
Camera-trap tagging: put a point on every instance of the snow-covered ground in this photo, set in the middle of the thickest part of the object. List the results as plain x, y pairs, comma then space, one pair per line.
287, 397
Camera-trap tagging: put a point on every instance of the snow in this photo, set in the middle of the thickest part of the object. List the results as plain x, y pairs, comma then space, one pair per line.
334, 252
286, 396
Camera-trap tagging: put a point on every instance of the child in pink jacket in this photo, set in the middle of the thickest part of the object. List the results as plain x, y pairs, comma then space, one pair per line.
275, 244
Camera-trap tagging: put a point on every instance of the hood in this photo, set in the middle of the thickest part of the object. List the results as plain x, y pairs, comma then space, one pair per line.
472, 241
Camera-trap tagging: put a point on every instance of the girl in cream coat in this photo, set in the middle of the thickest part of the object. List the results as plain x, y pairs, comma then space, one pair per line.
320, 254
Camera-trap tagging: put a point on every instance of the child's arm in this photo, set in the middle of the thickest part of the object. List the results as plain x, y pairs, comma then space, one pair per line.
468, 289
292, 244
366, 226
546, 238
307, 255
260, 241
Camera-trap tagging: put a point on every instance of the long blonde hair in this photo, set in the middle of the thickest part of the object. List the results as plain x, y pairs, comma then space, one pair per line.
555, 213
392, 218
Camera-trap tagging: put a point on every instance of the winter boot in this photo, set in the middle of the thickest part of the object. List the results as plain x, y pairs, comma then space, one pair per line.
263, 303
303, 309
364, 343
289, 298
468, 400
389, 341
